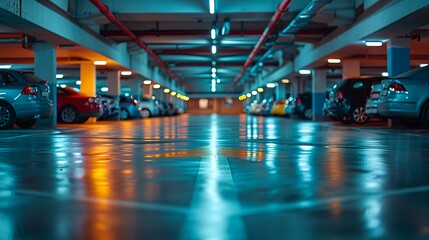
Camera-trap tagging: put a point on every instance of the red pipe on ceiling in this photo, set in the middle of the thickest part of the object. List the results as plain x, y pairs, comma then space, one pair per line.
106, 11
283, 7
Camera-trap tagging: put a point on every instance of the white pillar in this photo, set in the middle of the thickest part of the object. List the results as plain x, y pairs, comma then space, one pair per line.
318, 93
114, 85
351, 68
45, 67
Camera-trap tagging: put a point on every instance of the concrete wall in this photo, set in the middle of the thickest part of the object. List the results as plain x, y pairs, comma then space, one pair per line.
227, 106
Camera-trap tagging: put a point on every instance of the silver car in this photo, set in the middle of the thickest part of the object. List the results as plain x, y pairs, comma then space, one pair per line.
372, 103
406, 96
148, 108
24, 98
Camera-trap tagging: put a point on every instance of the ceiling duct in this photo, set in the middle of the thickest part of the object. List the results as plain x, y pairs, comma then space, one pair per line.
109, 15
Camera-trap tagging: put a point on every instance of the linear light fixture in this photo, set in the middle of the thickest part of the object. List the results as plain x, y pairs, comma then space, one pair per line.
385, 74
166, 90
78, 82
126, 73
304, 71
213, 33
423, 65
101, 63
147, 82
173, 93
156, 86
248, 95
212, 6
213, 75
260, 89
213, 70
271, 85
373, 43
59, 75
254, 92
104, 89
285, 80
8, 66
214, 49
334, 60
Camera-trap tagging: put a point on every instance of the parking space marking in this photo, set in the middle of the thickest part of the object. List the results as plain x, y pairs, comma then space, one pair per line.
38, 133
113, 202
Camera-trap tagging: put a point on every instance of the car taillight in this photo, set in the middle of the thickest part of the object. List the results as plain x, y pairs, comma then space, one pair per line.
298, 102
29, 90
339, 95
396, 87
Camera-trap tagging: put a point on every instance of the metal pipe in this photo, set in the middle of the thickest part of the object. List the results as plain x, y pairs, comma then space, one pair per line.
283, 7
109, 15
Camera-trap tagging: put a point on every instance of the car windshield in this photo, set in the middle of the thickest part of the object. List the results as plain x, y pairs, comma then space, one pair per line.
29, 76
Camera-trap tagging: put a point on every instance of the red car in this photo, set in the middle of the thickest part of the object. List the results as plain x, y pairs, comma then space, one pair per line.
75, 107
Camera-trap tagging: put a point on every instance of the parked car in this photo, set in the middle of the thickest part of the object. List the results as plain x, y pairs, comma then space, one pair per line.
129, 107
24, 98
347, 100
266, 106
372, 103
148, 108
406, 97
75, 107
290, 106
110, 107
279, 108
304, 105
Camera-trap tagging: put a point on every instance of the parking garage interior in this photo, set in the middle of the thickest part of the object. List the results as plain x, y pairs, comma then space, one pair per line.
199, 164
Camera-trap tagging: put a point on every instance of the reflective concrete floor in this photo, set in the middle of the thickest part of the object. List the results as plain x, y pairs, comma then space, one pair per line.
214, 177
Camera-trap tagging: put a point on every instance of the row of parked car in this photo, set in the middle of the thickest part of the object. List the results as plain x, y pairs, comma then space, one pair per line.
404, 97
24, 98
300, 106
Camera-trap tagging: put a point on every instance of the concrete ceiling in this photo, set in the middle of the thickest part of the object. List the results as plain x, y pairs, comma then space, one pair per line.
178, 31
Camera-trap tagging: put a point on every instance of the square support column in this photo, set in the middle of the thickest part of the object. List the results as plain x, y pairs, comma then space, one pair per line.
45, 67
114, 85
280, 91
351, 68
88, 82
319, 93
398, 56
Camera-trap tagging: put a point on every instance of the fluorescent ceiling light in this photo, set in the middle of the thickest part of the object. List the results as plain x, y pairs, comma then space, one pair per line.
59, 75
63, 85
260, 89
167, 90
147, 82
213, 75
304, 71
156, 86
271, 85
213, 70
5, 66
173, 93
212, 6
423, 65
126, 73
373, 43
334, 60
285, 80
248, 95
254, 92
218, 80
153, 97
214, 49
104, 89
213, 33
78, 82
100, 62
385, 74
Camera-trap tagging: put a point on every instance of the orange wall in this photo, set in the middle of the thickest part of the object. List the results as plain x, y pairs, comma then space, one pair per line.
215, 105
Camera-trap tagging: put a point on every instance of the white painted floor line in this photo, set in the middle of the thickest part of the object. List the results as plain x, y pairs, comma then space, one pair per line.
215, 208
320, 202
50, 132
112, 202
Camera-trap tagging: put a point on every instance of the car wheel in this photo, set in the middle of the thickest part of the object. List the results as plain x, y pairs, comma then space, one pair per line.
69, 114
7, 116
26, 123
425, 115
359, 115
145, 113
124, 114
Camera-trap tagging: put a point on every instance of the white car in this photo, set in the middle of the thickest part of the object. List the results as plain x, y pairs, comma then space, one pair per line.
406, 97
148, 108
372, 103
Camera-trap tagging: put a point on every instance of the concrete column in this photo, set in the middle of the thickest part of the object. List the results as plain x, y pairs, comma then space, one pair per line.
295, 87
280, 91
88, 82
147, 90
319, 93
45, 67
398, 56
351, 68
114, 85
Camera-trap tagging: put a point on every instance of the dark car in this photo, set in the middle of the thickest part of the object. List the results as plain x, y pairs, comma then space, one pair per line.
304, 106
347, 99
24, 98
76, 107
129, 107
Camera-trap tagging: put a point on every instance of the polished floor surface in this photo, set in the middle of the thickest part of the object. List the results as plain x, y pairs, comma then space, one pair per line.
214, 177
